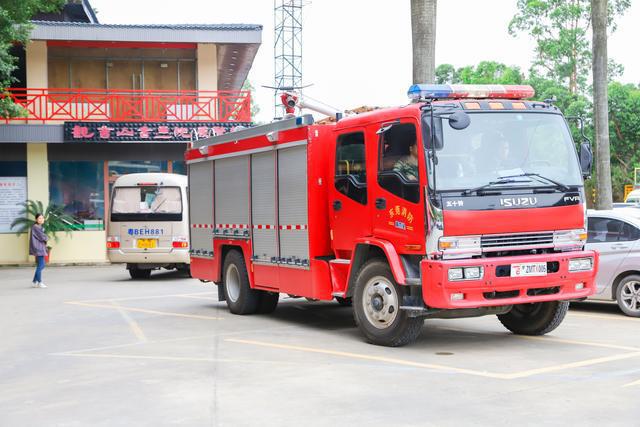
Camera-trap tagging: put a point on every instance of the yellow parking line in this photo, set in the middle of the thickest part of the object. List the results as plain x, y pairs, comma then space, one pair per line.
133, 325
174, 359
198, 297
621, 317
572, 365
142, 297
632, 384
372, 358
142, 310
512, 376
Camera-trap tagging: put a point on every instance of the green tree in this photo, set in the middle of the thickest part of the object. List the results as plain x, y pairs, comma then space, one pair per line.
624, 134
561, 31
255, 109
15, 28
486, 72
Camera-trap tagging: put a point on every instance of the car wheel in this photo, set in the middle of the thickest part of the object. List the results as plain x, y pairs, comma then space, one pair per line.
628, 295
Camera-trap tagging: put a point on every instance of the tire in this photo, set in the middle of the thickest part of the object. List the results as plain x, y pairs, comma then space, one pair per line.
268, 302
376, 307
345, 302
628, 295
535, 319
241, 299
137, 273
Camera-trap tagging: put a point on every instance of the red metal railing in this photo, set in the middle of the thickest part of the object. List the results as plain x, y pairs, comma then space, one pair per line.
44, 105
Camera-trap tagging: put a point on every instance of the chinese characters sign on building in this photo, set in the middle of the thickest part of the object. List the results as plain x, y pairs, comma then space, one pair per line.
13, 191
145, 131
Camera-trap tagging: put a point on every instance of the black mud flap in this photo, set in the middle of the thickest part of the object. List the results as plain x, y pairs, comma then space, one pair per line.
221, 295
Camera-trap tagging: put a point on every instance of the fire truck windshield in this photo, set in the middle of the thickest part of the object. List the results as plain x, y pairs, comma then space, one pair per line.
497, 145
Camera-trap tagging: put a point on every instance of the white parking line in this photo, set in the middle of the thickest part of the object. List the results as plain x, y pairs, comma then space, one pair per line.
632, 384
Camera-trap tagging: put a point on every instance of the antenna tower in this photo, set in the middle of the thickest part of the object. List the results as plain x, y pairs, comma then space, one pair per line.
287, 49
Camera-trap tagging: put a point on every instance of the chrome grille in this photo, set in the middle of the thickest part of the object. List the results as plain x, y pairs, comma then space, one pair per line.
500, 242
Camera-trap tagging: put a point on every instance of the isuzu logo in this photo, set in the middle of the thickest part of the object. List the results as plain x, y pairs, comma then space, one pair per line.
512, 202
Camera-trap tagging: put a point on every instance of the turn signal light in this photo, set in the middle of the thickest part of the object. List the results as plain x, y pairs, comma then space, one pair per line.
180, 244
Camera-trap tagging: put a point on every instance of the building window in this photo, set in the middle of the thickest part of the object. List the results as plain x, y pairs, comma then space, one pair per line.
179, 167
78, 187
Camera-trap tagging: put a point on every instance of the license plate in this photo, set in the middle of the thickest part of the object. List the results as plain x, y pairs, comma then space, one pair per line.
529, 269
147, 243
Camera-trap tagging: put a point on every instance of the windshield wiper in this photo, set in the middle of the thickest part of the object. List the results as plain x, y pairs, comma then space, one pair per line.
540, 178
501, 181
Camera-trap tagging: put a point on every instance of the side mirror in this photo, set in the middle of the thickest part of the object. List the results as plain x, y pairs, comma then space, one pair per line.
426, 133
586, 159
459, 120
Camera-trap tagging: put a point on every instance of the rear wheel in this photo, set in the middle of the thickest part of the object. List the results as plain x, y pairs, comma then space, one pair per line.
241, 299
137, 273
628, 295
376, 302
535, 319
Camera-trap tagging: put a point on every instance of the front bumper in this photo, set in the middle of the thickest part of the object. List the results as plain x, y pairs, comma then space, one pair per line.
495, 289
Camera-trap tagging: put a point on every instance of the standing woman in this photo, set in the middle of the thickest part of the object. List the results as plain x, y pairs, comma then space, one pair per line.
38, 248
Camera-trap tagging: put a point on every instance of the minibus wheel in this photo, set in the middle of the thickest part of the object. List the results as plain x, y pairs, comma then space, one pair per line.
241, 299
138, 273
376, 307
535, 319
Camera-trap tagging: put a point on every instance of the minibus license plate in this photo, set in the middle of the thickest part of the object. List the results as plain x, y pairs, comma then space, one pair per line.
529, 269
147, 243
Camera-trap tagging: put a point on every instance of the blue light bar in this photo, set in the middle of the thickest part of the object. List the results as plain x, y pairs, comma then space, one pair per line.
433, 91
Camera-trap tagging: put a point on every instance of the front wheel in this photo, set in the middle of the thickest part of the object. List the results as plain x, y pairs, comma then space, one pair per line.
628, 296
376, 303
535, 319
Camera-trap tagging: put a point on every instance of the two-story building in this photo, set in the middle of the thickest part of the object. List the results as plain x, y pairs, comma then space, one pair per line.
103, 100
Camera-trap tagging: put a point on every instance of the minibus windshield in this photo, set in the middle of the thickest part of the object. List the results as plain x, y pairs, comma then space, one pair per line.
149, 202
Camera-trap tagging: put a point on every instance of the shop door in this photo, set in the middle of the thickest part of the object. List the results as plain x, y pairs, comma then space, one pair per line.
349, 202
126, 80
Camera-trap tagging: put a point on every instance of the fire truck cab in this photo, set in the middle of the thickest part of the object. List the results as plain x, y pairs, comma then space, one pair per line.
467, 202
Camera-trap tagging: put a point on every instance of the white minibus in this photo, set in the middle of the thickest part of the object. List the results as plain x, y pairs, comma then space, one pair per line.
148, 225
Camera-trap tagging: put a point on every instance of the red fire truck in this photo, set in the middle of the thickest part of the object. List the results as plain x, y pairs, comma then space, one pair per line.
469, 201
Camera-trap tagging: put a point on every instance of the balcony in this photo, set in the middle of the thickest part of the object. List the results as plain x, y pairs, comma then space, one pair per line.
100, 105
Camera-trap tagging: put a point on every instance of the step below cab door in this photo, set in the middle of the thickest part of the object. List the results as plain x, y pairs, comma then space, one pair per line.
348, 196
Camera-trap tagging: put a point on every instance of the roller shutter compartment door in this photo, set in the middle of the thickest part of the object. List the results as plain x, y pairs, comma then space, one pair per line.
263, 206
201, 208
292, 208
232, 196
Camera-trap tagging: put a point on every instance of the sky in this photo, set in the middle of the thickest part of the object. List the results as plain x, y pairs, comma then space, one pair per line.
358, 52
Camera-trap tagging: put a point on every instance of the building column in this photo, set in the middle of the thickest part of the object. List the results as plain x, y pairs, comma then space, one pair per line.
207, 66
38, 172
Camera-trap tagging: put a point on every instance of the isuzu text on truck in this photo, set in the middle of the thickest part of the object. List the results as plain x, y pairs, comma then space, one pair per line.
467, 202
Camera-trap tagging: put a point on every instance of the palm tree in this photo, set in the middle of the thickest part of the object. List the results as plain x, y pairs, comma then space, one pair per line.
600, 103
54, 219
423, 36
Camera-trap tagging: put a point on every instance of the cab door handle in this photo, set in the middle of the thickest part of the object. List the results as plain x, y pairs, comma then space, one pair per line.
337, 205
381, 203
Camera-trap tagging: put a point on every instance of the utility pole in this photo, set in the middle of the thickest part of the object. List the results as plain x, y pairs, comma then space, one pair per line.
423, 36
600, 104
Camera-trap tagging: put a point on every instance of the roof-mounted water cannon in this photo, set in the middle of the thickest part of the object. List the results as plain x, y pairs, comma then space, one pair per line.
421, 92
291, 100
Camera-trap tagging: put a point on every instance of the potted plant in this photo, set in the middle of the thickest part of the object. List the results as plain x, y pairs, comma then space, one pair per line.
55, 220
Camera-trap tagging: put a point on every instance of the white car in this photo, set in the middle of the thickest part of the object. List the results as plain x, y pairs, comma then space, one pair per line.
615, 234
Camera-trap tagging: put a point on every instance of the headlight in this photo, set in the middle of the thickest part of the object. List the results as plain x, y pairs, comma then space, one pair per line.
463, 246
465, 273
569, 238
580, 264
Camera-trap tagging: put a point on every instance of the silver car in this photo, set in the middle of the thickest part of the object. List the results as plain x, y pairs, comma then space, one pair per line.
615, 234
